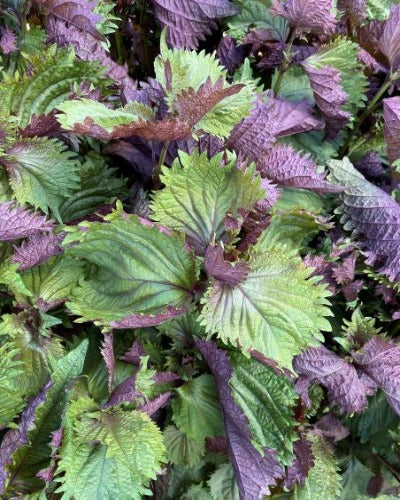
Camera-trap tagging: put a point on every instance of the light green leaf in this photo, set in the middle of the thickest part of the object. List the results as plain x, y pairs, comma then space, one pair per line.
379, 9
42, 172
77, 110
222, 484
50, 282
199, 193
37, 353
292, 228
185, 69
179, 70
223, 117
182, 449
11, 368
196, 409
323, 480
137, 269
134, 446
278, 310
295, 84
302, 199
268, 401
107, 454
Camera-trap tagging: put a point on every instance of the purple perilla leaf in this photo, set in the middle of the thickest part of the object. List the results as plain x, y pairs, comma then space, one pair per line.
302, 463
36, 249
329, 97
190, 21
372, 215
107, 351
15, 438
370, 166
391, 116
230, 54
87, 48
8, 41
222, 270
268, 121
78, 13
18, 222
289, 168
254, 473
354, 10
379, 359
143, 320
322, 366
134, 353
307, 15
389, 42
155, 404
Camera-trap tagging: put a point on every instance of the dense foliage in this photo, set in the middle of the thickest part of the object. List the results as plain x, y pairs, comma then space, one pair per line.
200, 249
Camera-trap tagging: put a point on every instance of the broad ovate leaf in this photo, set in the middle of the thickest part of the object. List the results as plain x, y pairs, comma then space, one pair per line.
379, 360
108, 452
315, 16
190, 21
178, 70
372, 215
48, 84
42, 172
391, 116
343, 55
50, 283
323, 479
268, 401
287, 167
37, 249
78, 13
322, 366
329, 96
254, 472
389, 42
199, 193
277, 310
196, 408
18, 222
270, 119
139, 270
96, 120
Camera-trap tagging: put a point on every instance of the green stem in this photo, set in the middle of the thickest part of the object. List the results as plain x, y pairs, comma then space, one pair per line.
367, 111
285, 65
157, 171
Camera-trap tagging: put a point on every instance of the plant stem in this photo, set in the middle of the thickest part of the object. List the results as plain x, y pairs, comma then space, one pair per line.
367, 111
391, 469
285, 65
157, 170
